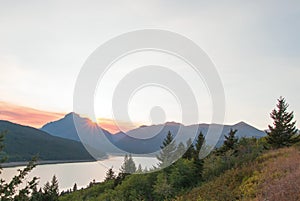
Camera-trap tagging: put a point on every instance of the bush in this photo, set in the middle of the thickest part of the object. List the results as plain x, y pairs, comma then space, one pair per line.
246, 151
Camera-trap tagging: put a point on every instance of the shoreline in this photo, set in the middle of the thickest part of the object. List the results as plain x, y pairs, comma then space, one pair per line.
50, 162
47, 162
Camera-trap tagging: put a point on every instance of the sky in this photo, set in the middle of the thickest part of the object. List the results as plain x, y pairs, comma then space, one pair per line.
255, 46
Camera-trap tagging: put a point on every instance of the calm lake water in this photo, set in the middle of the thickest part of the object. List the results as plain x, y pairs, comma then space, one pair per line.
80, 173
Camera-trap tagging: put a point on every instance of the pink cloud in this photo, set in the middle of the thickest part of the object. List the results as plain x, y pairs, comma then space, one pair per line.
26, 115
37, 118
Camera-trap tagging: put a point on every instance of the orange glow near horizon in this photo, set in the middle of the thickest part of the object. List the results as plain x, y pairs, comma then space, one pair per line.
37, 118
109, 125
26, 115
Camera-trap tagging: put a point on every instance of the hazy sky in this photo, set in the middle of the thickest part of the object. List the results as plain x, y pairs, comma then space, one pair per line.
254, 44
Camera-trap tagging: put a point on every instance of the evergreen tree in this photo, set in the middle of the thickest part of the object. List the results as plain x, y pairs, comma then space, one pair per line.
140, 169
180, 150
110, 175
124, 165
54, 187
189, 154
145, 169
283, 132
36, 195
230, 142
92, 183
51, 191
75, 187
197, 160
128, 165
131, 165
166, 156
46, 190
198, 145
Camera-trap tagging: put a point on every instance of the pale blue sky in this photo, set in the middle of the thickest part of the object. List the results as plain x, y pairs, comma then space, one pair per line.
254, 44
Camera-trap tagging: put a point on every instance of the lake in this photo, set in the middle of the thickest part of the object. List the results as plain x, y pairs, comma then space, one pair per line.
80, 173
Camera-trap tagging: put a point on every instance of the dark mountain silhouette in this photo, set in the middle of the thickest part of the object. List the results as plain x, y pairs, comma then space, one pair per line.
24, 142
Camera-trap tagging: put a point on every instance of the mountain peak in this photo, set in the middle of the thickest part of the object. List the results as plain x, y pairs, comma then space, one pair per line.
241, 123
172, 123
71, 114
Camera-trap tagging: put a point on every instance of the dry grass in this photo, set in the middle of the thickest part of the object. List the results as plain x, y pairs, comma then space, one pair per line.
274, 175
280, 176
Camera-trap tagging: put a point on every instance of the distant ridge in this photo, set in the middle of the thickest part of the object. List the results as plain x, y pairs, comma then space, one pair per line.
24, 142
144, 139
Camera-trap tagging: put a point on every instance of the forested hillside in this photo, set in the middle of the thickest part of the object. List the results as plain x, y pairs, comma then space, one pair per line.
24, 142
241, 169
246, 173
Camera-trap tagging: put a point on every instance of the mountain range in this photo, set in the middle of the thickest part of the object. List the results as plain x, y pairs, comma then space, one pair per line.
65, 140
144, 139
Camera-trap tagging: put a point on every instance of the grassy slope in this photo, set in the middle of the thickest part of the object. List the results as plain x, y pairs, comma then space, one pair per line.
273, 176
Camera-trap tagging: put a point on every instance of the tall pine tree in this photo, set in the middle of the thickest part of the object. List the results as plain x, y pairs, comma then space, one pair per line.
51, 191
230, 142
75, 187
110, 175
283, 132
190, 150
197, 160
128, 165
198, 145
167, 153
180, 150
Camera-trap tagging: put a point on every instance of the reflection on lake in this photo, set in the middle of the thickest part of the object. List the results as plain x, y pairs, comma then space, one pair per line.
80, 173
